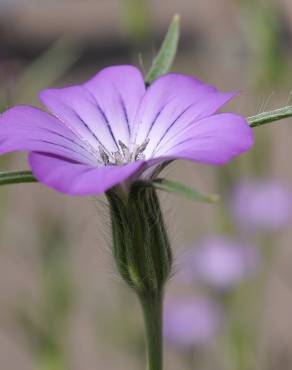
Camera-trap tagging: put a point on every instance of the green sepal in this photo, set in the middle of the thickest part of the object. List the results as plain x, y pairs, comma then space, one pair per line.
167, 52
140, 243
271, 116
185, 191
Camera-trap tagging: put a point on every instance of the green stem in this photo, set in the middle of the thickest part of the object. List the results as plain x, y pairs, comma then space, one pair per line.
267, 117
16, 177
152, 313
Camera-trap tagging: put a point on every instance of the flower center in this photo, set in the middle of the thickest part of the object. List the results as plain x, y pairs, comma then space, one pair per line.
123, 155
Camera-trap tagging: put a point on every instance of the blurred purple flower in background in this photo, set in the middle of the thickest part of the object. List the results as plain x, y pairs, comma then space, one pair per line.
220, 263
112, 128
190, 322
262, 204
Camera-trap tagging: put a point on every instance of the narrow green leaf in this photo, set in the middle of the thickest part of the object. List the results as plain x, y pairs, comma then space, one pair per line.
267, 117
180, 189
16, 177
165, 57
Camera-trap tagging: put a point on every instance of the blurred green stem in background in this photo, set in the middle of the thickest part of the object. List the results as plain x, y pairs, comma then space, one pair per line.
137, 21
47, 328
50, 361
48, 68
265, 29
240, 336
44, 71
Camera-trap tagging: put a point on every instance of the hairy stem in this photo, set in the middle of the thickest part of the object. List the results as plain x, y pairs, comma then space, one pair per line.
271, 116
152, 312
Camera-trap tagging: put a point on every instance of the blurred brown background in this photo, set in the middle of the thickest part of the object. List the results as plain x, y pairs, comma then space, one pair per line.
57, 278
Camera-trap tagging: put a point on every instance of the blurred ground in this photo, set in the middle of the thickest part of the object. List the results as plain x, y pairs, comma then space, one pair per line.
235, 45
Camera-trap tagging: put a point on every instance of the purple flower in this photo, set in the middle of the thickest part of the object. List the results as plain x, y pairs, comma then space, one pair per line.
261, 204
112, 128
190, 322
220, 263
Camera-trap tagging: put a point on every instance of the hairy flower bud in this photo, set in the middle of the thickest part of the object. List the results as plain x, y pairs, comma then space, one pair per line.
140, 242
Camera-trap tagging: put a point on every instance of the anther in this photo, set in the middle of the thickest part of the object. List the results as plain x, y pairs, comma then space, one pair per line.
104, 157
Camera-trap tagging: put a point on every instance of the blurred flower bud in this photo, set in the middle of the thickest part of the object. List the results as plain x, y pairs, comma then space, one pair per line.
261, 204
190, 322
220, 263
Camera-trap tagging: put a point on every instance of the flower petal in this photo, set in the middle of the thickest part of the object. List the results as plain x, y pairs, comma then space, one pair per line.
203, 108
78, 179
78, 110
25, 128
118, 91
102, 110
212, 140
170, 104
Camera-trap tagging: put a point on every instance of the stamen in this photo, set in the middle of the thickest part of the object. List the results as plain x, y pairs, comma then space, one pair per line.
104, 157
123, 146
118, 158
123, 155
139, 156
138, 152
143, 146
